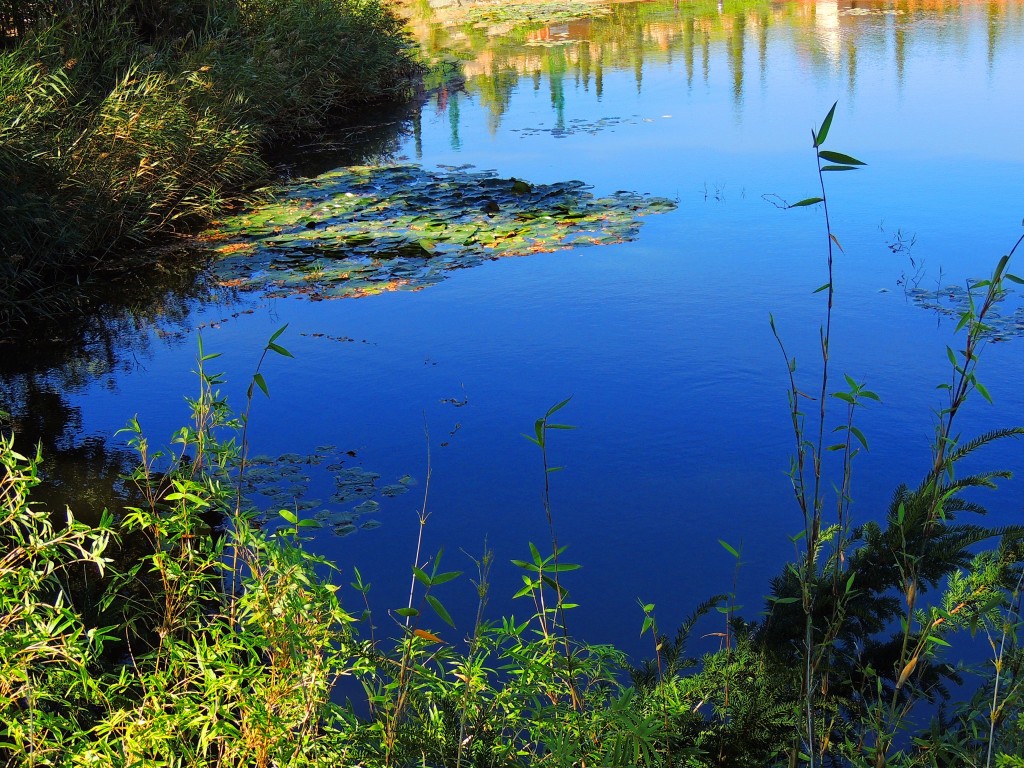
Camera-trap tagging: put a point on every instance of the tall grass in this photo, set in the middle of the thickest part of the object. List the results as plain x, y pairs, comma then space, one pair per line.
120, 121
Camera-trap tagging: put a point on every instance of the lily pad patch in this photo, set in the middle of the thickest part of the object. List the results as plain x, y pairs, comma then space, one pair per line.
366, 230
272, 483
1003, 322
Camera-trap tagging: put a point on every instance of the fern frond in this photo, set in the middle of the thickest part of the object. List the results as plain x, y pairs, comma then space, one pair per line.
965, 449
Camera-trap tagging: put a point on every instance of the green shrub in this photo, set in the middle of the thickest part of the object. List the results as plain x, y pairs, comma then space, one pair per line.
46, 652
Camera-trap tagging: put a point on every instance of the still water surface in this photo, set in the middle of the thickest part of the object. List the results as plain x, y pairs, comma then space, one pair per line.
678, 388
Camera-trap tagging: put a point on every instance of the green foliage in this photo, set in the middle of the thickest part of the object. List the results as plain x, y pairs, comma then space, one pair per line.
45, 649
120, 121
228, 638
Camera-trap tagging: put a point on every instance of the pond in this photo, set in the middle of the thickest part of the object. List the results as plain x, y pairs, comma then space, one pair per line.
660, 334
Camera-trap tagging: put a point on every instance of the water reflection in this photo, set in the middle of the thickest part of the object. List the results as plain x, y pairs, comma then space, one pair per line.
43, 369
828, 37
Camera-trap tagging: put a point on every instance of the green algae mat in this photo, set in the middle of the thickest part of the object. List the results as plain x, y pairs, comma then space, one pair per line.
364, 230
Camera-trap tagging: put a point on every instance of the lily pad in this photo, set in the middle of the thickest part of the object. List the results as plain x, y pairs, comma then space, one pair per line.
1003, 322
366, 230
283, 482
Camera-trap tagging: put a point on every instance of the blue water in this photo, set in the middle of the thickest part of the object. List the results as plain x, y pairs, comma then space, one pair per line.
678, 388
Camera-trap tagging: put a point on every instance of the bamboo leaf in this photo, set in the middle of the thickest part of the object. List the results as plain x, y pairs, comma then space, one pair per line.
261, 383
440, 611
728, 548
562, 567
288, 515
441, 578
536, 554
839, 157
555, 408
907, 671
808, 201
429, 636
822, 134
279, 350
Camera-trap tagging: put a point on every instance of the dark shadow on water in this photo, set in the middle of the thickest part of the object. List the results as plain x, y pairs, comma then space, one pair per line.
127, 321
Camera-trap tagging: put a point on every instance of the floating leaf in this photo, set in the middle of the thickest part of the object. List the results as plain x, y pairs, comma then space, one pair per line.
807, 201
366, 508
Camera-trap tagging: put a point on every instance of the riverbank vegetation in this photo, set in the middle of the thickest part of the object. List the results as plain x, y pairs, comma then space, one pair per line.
121, 121
188, 630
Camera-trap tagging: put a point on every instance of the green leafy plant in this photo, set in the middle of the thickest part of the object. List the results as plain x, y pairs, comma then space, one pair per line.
807, 471
47, 650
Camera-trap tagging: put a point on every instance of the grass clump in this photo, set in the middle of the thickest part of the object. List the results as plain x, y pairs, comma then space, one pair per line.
123, 120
